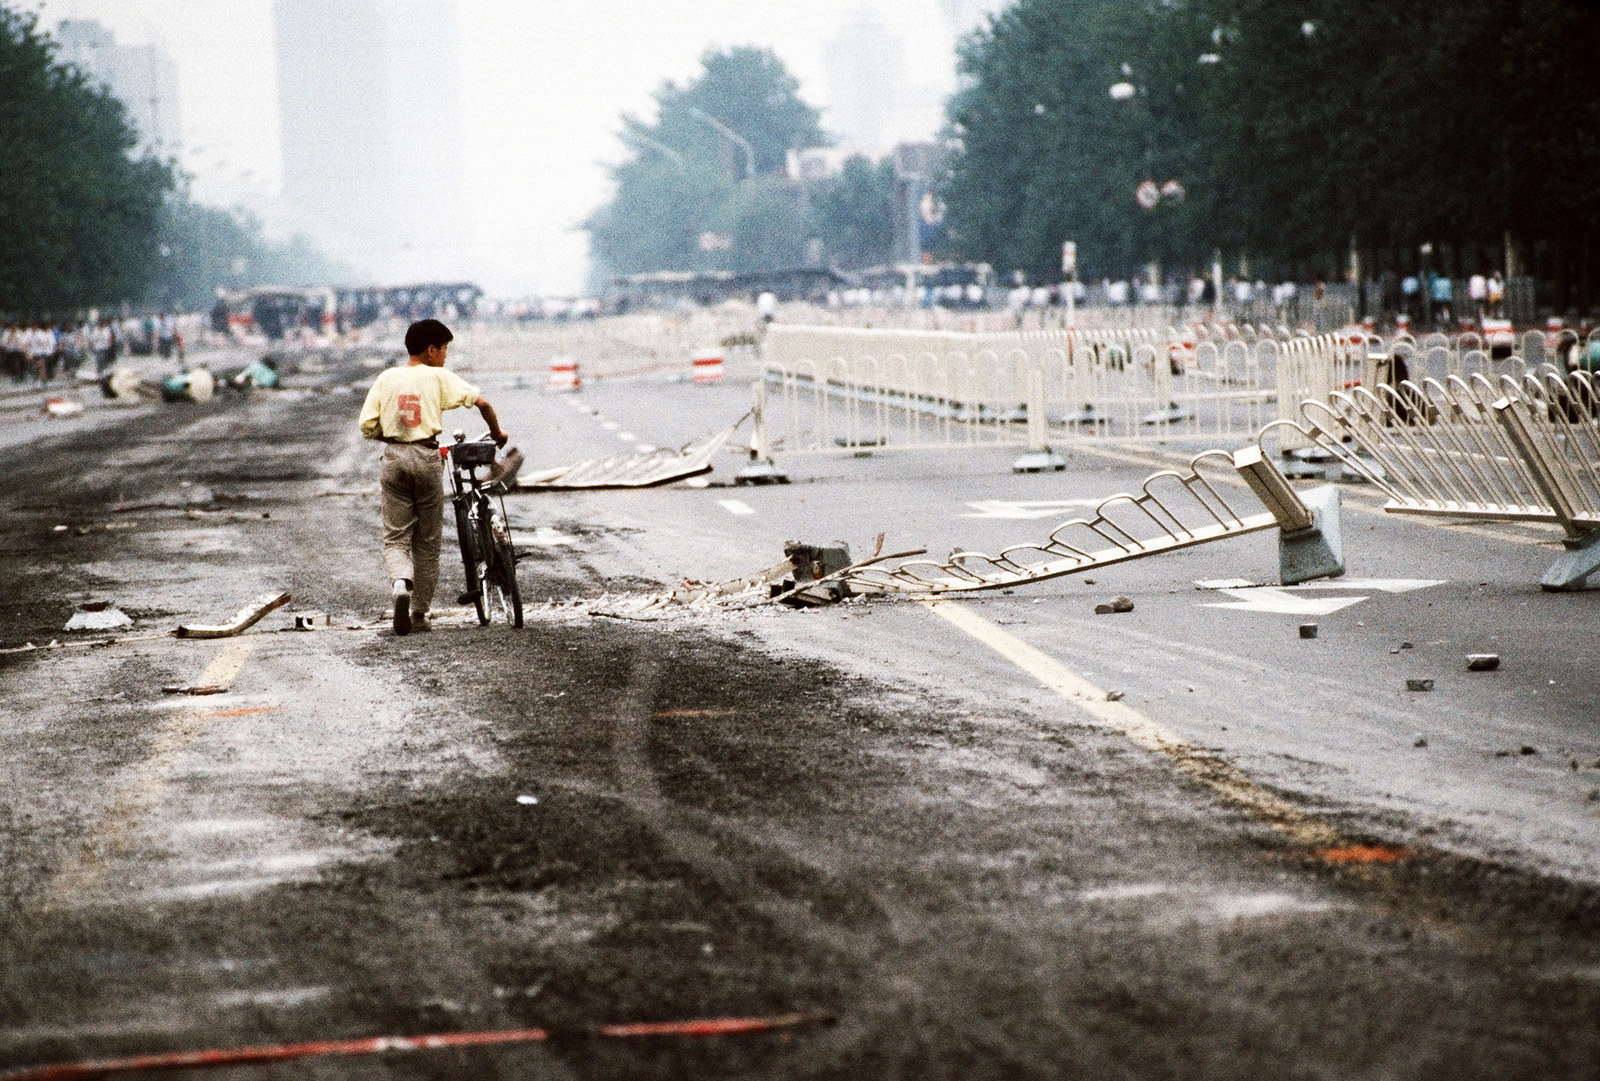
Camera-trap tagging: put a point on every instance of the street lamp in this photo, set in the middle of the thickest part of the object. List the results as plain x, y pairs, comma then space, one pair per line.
749, 152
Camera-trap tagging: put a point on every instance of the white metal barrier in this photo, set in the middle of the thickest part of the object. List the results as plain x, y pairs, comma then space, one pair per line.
1505, 448
843, 388
840, 388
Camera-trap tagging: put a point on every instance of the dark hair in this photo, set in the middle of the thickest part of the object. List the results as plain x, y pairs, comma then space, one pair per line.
424, 333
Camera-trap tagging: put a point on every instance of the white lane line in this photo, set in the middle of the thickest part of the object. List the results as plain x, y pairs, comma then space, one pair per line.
1203, 766
610, 425
1024, 509
735, 506
646, 448
627, 437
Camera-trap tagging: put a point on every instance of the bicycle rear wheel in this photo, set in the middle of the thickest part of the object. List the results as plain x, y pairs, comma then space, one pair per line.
471, 558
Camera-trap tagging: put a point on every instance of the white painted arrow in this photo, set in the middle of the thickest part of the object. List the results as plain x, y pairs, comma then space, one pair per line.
1027, 508
1283, 600
1383, 585
1268, 599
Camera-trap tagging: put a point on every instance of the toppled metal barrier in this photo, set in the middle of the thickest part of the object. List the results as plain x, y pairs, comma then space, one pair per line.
1514, 449
647, 469
1172, 510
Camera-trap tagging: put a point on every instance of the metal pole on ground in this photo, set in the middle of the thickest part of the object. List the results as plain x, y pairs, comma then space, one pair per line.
761, 469
1039, 457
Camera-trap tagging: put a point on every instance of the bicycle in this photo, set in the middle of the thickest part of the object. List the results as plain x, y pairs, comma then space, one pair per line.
487, 555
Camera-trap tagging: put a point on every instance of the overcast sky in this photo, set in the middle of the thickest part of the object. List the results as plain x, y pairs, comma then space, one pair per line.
543, 85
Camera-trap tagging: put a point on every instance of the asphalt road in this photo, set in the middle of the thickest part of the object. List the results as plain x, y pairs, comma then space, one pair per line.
927, 822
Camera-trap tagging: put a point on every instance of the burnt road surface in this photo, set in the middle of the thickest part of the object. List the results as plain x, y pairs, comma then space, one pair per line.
997, 837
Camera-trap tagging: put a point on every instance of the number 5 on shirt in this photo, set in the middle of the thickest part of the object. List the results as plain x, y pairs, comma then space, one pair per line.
410, 407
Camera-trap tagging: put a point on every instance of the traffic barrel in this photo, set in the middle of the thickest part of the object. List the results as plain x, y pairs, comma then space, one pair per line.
707, 368
563, 374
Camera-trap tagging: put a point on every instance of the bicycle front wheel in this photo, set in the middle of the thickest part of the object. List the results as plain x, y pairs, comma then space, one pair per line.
498, 574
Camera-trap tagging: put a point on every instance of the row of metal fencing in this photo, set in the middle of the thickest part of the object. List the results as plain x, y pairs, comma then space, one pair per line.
842, 389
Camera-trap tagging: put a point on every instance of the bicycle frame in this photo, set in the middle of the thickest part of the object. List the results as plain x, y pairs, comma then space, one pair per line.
483, 532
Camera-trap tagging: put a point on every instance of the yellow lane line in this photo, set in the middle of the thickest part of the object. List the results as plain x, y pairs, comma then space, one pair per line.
1194, 762
143, 785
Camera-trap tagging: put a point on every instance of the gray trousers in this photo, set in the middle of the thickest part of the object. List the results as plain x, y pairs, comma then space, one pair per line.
413, 518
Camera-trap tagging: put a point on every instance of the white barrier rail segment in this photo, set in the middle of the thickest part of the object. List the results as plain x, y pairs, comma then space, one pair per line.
1509, 448
1135, 384
1172, 510
643, 470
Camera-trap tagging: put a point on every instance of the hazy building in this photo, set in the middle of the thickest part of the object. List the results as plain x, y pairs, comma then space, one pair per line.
864, 67
370, 118
142, 77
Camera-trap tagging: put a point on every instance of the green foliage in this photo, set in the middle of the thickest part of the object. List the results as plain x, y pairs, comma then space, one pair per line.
686, 178
1293, 127
204, 247
853, 213
78, 215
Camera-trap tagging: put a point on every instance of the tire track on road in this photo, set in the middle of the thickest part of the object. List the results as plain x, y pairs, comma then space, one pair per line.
143, 786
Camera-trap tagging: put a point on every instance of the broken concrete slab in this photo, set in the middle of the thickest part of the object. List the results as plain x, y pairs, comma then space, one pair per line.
1114, 605
1483, 662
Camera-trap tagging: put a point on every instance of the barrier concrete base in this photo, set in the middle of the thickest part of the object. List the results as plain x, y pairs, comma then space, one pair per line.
1318, 550
1039, 461
1571, 570
761, 471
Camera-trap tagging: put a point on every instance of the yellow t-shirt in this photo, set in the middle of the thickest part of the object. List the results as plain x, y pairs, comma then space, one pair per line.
408, 403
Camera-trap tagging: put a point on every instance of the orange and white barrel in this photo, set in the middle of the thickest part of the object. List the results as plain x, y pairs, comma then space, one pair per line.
707, 367
563, 374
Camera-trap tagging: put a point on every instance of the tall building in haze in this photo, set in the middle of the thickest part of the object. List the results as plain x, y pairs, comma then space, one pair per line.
370, 118
142, 77
864, 71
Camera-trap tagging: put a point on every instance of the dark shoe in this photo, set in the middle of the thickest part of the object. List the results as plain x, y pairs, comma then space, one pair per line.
421, 622
402, 612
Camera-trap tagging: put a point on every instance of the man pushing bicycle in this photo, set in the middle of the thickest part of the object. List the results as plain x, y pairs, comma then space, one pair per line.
404, 410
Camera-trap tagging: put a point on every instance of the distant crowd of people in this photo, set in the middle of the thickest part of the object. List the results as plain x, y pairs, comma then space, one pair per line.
41, 351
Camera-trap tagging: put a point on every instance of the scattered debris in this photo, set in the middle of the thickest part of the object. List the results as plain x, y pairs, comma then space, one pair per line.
814, 566
1406, 645
1527, 749
1308, 630
123, 384
1419, 684
310, 621
796, 577
1365, 854
202, 688
1483, 662
1114, 696
189, 385
98, 616
1115, 604
527, 800
243, 620
61, 407
1420, 741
